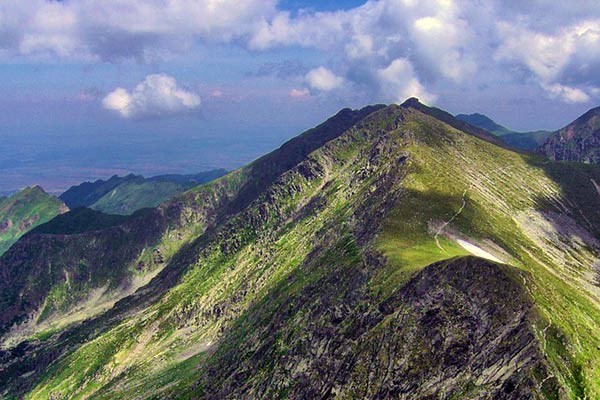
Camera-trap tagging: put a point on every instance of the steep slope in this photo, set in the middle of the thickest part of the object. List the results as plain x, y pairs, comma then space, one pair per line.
64, 273
518, 140
24, 211
125, 195
578, 141
338, 267
449, 119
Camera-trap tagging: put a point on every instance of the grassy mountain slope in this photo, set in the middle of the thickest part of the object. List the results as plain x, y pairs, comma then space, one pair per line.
87, 193
578, 141
24, 211
518, 140
340, 269
98, 268
125, 195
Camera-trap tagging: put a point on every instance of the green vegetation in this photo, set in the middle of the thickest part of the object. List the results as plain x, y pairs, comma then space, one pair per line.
24, 211
324, 271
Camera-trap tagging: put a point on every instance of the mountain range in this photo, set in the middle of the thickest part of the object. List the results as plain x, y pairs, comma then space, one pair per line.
390, 252
519, 140
32, 206
127, 194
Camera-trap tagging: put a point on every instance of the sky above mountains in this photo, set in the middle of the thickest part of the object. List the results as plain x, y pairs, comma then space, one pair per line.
91, 87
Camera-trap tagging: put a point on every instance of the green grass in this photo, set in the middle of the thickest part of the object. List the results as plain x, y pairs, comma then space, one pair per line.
24, 211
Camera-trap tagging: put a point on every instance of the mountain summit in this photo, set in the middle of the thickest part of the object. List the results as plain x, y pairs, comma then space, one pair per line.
390, 252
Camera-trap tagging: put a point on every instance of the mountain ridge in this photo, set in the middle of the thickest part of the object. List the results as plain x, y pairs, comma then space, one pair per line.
127, 194
279, 269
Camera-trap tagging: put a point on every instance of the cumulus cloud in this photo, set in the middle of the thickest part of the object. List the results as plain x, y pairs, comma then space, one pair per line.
156, 95
444, 43
440, 45
323, 79
398, 82
110, 30
568, 94
559, 60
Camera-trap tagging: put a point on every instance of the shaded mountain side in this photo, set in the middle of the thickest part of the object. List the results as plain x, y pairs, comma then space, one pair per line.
446, 333
578, 141
80, 220
528, 141
109, 259
322, 262
24, 211
44, 274
265, 170
125, 195
518, 140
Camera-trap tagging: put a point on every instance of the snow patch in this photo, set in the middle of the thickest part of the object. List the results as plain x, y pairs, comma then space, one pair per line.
477, 251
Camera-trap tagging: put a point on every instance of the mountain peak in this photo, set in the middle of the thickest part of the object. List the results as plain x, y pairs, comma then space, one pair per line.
412, 102
37, 189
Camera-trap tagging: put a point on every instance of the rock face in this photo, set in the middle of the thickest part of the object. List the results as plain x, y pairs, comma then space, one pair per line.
449, 332
578, 141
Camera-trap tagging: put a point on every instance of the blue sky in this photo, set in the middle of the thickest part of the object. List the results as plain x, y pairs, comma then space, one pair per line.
95, 87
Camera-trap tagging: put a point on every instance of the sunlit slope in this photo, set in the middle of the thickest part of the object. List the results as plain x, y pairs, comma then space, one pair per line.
316, 282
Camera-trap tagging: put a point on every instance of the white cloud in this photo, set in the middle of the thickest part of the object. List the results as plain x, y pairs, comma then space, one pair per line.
568, 94
116, 29
560, 60
398, 82
476, 45
156, 95
323, 79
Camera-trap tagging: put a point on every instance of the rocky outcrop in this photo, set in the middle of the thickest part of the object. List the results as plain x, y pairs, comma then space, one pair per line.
578, 141
447, 333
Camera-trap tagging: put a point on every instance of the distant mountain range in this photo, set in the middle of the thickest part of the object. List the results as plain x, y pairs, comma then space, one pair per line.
389, 252
32, 206
518, 140
127, 194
